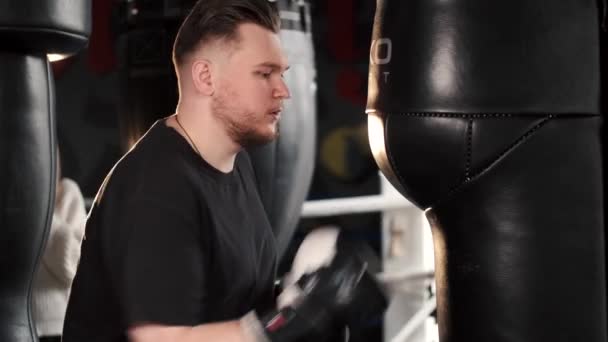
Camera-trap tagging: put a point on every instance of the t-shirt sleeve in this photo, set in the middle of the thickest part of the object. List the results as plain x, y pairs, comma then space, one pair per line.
160, 275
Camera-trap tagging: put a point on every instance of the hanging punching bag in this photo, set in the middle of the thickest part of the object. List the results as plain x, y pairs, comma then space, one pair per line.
29, 29
284, 167
486, 115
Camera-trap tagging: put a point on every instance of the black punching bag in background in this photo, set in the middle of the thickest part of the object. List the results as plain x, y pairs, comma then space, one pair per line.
284, 167
486, 115
29, 29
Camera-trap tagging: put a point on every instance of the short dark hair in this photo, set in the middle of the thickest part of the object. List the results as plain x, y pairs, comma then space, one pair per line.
218, 19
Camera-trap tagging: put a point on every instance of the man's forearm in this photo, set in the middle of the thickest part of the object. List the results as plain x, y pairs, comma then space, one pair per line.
230, 331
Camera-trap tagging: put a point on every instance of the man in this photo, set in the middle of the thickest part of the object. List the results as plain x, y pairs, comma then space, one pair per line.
177, 245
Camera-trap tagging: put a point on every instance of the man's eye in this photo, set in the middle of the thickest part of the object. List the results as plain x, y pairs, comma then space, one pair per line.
264, 74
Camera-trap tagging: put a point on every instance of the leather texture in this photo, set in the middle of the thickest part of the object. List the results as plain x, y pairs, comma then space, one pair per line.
27, 132
480, 56
519, 249
29, 29
45, 26
486, 115
436, 153
284, 167
516, 209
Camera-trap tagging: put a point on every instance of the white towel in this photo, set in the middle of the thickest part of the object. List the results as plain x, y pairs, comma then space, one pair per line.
57, 267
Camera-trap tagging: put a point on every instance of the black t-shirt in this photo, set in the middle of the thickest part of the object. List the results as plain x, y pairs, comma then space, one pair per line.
171, 240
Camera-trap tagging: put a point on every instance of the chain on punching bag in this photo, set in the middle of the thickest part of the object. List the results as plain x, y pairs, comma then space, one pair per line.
284, 167
29, 29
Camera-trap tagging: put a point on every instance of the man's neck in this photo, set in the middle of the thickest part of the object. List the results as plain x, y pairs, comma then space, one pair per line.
207, 137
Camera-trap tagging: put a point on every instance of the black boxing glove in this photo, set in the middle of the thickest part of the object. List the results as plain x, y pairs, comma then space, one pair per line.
347, 286
342, 293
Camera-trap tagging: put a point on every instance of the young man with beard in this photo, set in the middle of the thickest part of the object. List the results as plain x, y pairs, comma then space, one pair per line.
178, 246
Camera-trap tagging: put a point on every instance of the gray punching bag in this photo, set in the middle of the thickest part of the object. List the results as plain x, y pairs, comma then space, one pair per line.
486, 115
284, 167
29, 29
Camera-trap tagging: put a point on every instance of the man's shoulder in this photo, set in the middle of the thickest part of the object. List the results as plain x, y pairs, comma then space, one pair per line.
151, 165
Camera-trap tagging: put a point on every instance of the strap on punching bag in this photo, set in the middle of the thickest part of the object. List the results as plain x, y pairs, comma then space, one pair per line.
29, 29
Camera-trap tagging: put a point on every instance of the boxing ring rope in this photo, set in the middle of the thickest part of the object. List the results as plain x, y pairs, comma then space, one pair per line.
353, 205
415, 321
396, 277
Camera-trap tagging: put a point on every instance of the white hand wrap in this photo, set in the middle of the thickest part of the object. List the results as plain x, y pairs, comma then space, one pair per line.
318, 249
252, 328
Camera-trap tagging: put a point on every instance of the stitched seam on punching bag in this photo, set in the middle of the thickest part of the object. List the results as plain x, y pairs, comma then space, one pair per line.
494, 115
510, 148
462, 116
469, 151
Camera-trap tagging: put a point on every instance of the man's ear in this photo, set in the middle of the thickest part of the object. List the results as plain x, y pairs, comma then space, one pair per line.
201, 76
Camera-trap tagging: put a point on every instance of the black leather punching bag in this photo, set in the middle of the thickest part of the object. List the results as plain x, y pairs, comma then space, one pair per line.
486, 115
29, 29
284, 167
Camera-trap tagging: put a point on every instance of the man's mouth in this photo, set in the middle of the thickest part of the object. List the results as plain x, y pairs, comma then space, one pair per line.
276, 112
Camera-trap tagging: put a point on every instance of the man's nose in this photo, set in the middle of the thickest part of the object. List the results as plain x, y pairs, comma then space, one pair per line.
282, 90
